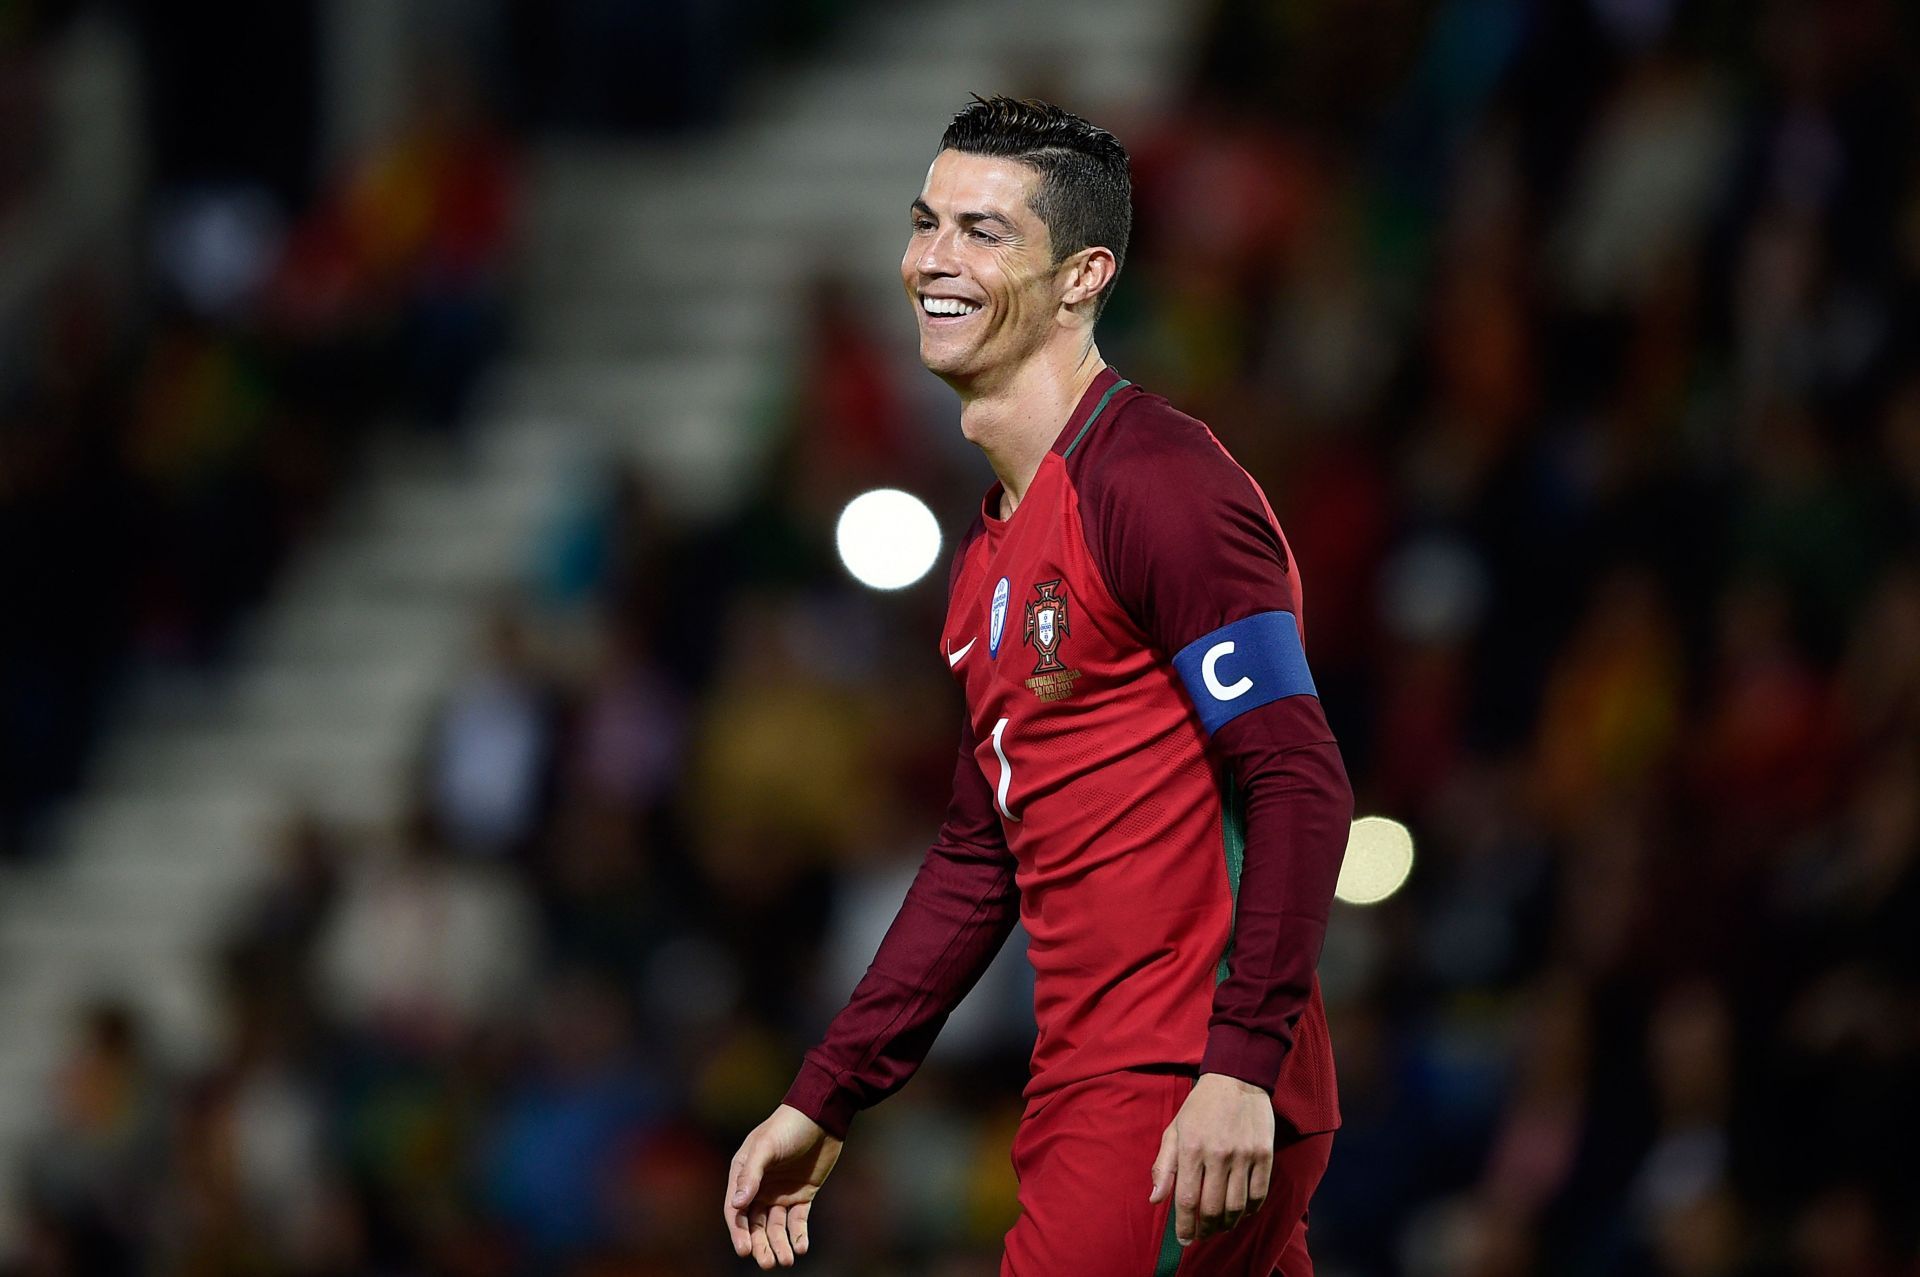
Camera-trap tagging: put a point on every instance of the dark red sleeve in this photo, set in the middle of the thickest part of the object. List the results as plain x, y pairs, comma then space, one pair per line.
1188, 545
957, 914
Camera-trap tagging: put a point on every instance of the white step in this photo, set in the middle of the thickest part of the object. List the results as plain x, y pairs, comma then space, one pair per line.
612, 326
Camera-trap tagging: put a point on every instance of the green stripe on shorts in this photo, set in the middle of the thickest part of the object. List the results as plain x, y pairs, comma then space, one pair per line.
1169, 1247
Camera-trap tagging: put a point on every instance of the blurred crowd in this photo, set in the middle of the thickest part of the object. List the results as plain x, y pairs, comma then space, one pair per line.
1575, 345
177, 409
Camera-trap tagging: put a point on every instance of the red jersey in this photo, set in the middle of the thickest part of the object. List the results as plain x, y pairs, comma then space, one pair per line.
1145, 780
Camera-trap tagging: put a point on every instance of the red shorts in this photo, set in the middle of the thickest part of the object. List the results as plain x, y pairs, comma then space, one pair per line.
1084, 1158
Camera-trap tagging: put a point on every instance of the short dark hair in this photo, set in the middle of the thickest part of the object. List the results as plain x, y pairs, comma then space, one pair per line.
1085, 196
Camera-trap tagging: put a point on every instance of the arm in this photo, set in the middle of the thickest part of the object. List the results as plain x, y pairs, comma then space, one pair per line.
1197, 570
1298, 809
957, 914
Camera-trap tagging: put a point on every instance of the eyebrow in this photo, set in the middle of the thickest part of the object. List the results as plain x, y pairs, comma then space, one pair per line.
966, 219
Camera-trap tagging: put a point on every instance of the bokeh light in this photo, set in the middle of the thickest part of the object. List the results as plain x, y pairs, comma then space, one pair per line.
887, 538
1379, 858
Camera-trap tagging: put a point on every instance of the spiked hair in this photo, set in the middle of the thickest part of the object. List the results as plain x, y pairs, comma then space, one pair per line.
1085, 195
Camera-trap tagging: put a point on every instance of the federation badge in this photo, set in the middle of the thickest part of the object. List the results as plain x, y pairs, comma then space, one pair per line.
997, 618
1047, 626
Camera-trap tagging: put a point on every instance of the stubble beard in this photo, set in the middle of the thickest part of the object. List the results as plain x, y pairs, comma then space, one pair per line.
948, 364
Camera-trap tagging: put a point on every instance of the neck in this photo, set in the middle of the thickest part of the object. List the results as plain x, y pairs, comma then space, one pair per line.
1016, 417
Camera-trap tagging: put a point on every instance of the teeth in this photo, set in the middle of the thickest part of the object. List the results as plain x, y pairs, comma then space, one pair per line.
947, 306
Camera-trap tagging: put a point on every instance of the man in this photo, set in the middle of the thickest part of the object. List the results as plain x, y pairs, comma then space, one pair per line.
1145, 777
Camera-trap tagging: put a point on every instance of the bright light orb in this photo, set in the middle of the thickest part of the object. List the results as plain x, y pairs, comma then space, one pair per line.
887, 538
1379, 858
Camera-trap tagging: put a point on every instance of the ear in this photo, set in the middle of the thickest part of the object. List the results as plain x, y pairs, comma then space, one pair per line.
1087, 274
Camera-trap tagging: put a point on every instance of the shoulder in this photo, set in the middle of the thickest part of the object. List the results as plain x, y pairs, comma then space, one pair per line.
1183, 537
1160, 472
1150, 450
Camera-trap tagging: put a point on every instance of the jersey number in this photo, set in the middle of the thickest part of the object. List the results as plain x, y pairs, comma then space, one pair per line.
1006, 770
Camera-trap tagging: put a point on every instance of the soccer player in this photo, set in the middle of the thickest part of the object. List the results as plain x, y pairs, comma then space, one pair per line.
1145, 777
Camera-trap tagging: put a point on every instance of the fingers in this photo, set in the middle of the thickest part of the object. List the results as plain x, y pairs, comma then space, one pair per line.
762, 1247
740, 1232
797, 1226
1213, 1194
1163, 1165
1234, 1205
1186, 1195
748, 1227
777, 1237
1259, 1180
736, 1218
1215, 1173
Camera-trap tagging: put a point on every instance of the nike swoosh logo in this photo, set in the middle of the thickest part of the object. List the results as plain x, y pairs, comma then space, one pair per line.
954, 658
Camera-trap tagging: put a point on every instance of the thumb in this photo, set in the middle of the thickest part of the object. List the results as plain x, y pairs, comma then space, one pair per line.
1163, 1165
747, 1171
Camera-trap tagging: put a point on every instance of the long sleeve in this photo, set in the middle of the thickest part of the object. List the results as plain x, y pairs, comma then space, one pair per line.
959, 911
1298, 807
1191, 550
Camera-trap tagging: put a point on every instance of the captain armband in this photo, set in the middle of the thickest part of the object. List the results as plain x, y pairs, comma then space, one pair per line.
1252, 662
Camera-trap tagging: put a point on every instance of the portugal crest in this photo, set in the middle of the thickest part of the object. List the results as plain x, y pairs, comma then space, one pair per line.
1047, 625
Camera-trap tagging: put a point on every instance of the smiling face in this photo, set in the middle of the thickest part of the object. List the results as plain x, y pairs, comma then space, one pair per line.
979, 267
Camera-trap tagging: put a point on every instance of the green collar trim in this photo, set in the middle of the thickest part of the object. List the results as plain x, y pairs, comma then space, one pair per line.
1098, 408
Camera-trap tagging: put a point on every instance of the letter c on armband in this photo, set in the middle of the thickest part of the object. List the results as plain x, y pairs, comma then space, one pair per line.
1215, 688
1268, 663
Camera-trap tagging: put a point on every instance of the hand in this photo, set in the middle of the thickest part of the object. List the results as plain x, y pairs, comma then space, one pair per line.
1216, 1157
776, 1175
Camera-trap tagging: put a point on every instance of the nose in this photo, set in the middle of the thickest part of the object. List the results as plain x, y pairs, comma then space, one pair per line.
936, 257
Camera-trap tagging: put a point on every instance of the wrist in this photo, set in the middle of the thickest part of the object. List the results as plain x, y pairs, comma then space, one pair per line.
1250, 1057
816, 1096
1237, 1085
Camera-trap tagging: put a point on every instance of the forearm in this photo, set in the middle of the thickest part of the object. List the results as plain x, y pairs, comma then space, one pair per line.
957, 914
1298, 808
962, 905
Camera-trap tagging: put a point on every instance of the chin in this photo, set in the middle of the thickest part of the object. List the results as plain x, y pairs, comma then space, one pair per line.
945, 363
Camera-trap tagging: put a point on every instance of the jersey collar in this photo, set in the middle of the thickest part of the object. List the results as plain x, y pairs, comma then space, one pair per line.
1093, 401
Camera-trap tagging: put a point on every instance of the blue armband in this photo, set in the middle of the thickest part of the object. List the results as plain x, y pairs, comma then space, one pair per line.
1242, 666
